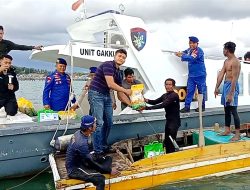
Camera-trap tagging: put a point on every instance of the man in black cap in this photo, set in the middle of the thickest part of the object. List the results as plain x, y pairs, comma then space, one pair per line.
81, 163
194, 56
56, 91
6, 46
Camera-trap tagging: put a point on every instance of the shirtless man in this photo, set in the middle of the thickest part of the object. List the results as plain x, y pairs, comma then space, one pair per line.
230, 92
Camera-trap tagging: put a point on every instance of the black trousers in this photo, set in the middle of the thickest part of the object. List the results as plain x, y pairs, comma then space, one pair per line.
97, 179
10, 106
171, 128
231, 110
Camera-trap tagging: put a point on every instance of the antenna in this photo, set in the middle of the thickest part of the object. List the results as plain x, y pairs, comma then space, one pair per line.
231, 33
122, 8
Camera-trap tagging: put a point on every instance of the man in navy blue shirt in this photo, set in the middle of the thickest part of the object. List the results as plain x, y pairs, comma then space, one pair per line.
194, 55
81, 163
107, 76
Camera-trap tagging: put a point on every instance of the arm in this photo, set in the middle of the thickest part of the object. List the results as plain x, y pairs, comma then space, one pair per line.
235, 75
97, 164
196, 55
171, 98
123, 98
154, 102
219, 79
47, 89
112, 94
14, 46
112, 85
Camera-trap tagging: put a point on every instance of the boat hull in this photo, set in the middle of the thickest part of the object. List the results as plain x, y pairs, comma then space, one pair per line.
30, 142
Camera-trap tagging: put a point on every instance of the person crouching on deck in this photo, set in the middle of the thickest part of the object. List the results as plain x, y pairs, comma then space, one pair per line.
170, 102
81, 163
8, 86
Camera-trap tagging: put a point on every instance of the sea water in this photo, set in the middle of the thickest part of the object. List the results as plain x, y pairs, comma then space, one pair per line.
32, 90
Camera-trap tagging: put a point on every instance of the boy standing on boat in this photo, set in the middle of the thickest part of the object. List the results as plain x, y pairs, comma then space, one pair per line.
8, 86
56, 91
170, 102
194, 55
229, 98
106, 77
81, 163
6, 46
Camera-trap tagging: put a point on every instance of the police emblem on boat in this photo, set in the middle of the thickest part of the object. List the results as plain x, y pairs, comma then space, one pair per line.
138, 37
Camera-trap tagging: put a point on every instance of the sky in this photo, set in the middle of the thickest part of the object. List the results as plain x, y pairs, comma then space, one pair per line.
214, 22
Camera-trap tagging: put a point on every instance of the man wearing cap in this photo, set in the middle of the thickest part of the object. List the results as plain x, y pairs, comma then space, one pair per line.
194, 55
6, 46
56, 91
107, 76
81, 163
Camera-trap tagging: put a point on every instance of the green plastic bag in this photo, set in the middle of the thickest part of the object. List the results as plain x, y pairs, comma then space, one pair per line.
153, 149
47, 115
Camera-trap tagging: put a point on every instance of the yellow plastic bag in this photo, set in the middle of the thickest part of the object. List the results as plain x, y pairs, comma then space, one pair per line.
26, 106
137, 99
67, 114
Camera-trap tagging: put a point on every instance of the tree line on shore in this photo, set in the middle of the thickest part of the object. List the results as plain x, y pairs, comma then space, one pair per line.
25, 70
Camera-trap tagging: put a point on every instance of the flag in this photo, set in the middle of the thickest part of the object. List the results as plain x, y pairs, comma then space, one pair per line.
77, 4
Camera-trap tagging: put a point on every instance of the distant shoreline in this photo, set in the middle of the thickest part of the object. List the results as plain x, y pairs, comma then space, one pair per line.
37, 76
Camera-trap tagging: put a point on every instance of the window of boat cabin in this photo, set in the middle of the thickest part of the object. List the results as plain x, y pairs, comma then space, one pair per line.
240, 81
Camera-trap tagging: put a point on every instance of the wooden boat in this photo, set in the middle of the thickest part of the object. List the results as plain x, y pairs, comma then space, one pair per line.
219, 159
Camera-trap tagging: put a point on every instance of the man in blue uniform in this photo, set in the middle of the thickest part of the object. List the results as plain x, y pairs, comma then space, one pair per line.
56, 91
194, 55
81, 163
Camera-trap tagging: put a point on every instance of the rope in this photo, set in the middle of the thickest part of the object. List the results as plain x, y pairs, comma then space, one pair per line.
28, 179
71, 95
148, 123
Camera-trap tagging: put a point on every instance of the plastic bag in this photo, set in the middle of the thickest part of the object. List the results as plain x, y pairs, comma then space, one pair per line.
153, 149
47, 115
136, 98
25, 106
67, 114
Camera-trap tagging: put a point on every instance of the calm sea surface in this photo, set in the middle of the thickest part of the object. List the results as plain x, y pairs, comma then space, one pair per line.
32, 90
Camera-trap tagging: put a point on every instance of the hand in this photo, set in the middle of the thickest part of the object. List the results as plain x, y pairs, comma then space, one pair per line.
38, 47
10, 86
74, 107
141, 109
115, 172
47, 107
178, 54
4, 68
114, 106
86, 87
216, 92
229, 98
